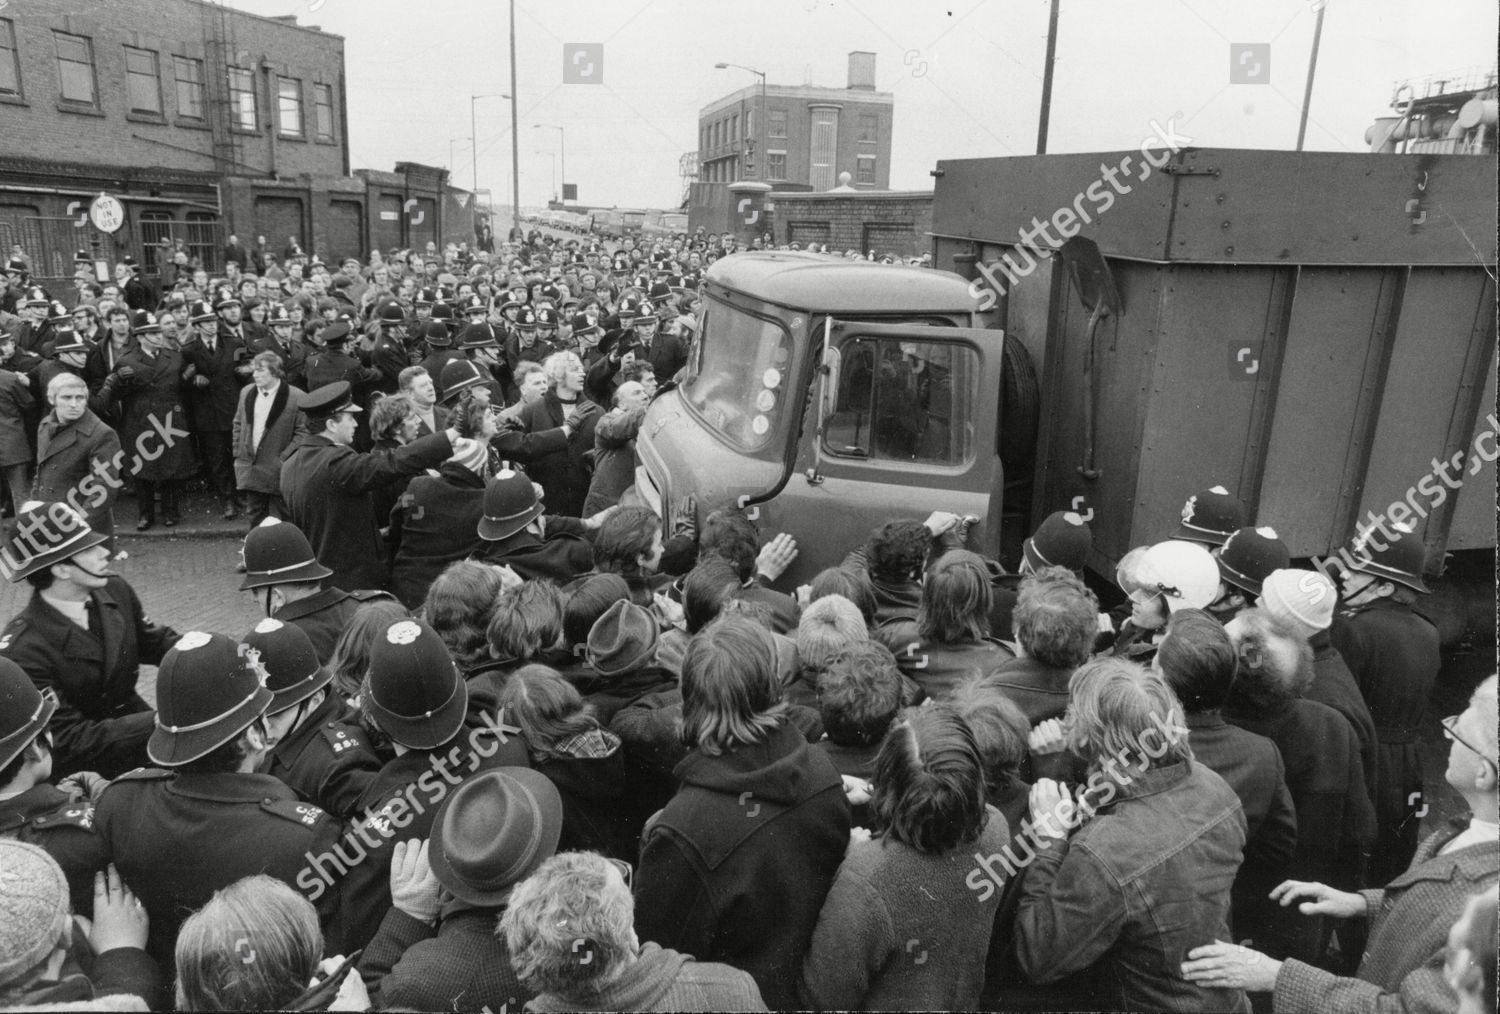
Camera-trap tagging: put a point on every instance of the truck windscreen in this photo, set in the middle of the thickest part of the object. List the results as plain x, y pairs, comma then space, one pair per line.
743, 372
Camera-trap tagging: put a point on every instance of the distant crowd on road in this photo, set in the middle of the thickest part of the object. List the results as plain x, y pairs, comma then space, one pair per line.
509, 735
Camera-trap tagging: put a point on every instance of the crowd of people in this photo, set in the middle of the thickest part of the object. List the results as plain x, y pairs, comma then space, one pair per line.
508, 737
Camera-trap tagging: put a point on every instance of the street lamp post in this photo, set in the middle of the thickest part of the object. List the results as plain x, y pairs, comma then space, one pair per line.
562, 142
474, 133
760, 116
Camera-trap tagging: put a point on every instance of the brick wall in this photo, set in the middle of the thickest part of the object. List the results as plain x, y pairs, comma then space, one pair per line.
897, 222
39, 125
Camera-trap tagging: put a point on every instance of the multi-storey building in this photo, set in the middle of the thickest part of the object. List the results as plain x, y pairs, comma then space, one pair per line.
202, 121
800, 137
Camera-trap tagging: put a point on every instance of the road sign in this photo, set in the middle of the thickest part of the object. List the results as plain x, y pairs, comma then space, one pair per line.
107, 213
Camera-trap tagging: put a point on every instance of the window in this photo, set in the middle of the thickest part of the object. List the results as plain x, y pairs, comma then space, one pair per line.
142, 81
75, 68
323, 111
734, 128
242, 99
775, 165
777, 122
864, 169
868, 125
10, 64
289, 106
189, 74
904, 401
735, 348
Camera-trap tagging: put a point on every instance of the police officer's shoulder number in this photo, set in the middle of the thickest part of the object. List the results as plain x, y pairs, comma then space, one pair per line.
72, 814
14, 629
341, 738
290, 809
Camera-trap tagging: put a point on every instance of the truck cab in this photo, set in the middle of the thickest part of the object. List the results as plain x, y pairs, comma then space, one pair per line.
825, 397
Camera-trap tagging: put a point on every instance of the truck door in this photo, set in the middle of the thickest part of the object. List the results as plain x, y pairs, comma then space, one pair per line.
902, 422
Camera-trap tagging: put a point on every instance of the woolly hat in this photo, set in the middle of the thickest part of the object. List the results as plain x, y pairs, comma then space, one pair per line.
622, 640
472, 454
33, 907
827, 627
1301, 599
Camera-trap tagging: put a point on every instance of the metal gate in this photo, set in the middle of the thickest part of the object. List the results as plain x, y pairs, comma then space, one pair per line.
200, 235
52, 243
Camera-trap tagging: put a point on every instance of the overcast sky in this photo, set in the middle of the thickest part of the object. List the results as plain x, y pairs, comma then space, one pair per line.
966, 76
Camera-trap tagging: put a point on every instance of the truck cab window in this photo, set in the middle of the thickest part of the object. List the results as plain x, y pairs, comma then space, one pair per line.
904, 401
741, 379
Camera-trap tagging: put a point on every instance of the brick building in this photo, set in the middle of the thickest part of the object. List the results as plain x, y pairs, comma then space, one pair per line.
800, 137
202, 121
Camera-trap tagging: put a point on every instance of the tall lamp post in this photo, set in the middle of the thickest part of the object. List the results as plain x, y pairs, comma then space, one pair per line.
760, 118
562, 161
474, 134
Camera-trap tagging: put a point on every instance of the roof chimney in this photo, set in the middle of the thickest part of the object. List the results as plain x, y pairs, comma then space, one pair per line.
862, 71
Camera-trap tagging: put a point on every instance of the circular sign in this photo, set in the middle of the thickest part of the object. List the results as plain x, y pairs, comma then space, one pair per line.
759, 425
765, 401
771, 378
107, 213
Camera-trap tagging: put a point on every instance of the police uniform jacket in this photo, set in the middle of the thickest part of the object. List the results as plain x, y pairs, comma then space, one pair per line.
408, 791
560, 557
327, 487
212, 408
49, 818
435, 524
16, 405
67, 454
138, 295
324, 616
1393, 653
390, 356
434, 364
293, 358
178, 838
332, 365
101, 724
155, 392
325, 761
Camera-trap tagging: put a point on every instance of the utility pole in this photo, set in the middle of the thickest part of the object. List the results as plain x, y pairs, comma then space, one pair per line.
1312, 67
1046, 113
515, 144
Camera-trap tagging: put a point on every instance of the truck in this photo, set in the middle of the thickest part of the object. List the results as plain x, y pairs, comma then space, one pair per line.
1313, 331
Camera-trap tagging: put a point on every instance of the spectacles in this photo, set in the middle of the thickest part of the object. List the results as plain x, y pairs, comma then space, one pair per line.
1450, 729
626, 872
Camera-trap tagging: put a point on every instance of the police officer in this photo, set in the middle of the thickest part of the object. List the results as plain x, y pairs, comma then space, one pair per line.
59, 819
419, 701
204, 817
392, 353
133, 287
293, 353
513, 533
326, 761
335, 363
326, 484
287, 580
1210, 517
439, 340
1392, 650
481, 343
82, 636
1249, 556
